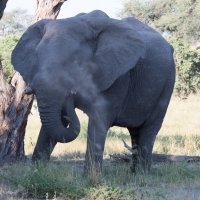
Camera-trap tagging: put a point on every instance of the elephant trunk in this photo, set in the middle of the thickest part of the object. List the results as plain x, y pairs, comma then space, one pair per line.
50, 114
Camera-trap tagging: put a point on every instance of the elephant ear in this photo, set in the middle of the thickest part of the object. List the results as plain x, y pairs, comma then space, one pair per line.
118, 48
24, 57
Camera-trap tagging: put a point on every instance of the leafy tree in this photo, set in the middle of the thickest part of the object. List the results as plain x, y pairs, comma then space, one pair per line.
181, 18
15, 22
187, 68
7, 44
136, 8
12, 25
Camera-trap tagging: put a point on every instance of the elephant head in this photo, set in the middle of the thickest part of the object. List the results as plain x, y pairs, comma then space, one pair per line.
83, 54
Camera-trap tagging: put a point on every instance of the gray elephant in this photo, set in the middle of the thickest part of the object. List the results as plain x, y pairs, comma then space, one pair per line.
119, 72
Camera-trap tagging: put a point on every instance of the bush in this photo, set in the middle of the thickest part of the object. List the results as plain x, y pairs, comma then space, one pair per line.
187, 62
45, 180
7, 44
111, 192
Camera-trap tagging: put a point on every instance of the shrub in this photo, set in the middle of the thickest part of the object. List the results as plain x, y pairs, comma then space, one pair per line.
111, 192
7, 44
187, 62
43, 180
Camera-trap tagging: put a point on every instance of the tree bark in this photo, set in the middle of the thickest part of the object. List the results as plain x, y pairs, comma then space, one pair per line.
15, 105
14, 109
48, 9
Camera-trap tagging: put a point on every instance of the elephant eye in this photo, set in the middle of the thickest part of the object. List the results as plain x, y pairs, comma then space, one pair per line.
73, 91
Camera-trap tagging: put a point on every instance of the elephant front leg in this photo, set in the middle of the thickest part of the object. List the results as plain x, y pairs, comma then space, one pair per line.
44, 146
95, 147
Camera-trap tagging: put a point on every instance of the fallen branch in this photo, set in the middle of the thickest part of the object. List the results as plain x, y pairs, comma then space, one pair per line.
121, 157
155, 157
158, 158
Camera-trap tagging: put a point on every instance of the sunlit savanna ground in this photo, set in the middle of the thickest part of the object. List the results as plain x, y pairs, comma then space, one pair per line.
180, 135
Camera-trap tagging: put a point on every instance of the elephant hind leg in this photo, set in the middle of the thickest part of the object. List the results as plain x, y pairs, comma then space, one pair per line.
134, 133
145, 135
44, 146
142, 141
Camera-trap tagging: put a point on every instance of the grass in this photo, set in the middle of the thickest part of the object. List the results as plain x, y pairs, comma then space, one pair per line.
62, 176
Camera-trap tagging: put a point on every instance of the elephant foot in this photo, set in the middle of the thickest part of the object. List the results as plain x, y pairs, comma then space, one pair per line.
140, 165
40, 157
92, 169
93, 175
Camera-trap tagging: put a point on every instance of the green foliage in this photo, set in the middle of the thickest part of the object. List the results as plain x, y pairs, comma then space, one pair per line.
43, 180
135, 8
63, 180
187, 68
180, 17
52, 181
110, 192
7, 44
12, 25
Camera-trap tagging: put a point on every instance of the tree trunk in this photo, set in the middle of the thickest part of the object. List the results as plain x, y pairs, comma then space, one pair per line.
15, 106
14, 109
48, 9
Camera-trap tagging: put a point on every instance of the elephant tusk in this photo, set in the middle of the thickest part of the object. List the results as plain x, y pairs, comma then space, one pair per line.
132, 150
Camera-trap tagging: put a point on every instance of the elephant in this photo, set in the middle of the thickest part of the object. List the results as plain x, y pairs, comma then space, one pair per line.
118, 72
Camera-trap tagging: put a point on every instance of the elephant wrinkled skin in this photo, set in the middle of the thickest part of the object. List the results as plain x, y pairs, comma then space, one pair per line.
119, 72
